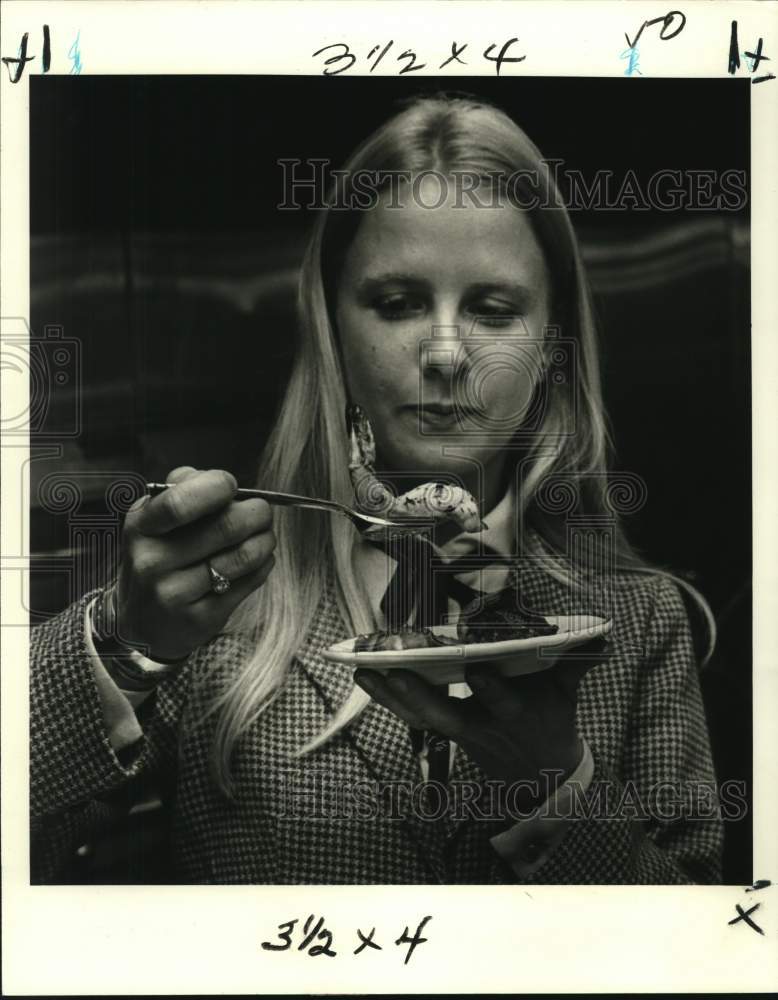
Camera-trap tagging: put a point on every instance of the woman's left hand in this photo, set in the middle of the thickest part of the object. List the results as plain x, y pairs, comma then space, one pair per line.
513, 728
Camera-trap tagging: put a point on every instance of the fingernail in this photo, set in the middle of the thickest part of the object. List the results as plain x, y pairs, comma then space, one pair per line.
140, 502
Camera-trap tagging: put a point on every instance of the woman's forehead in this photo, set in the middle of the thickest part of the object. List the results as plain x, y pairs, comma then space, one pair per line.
468, 238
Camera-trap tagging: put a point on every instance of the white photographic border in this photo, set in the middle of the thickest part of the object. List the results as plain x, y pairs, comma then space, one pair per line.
143, 940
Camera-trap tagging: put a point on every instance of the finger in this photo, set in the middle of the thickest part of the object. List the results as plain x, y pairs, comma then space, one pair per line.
245, 558
500, 696
222, 605
376, 686
415, 701
234, 524
180, 473
188, 500
187, 585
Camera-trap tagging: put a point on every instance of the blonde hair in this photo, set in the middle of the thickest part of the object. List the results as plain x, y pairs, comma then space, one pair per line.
306, 452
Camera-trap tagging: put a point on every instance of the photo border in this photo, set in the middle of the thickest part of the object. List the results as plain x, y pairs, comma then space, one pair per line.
192, 939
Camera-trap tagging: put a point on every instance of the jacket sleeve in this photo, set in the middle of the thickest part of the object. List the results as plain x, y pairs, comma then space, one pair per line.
656, 821
78, 782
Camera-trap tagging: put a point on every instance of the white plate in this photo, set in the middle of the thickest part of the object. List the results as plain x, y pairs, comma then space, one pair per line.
446, 664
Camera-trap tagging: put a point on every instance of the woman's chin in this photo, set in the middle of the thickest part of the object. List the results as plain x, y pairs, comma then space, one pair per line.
425, 462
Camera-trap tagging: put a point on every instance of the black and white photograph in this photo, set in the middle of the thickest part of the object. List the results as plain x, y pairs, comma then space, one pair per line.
389, 489
502, 417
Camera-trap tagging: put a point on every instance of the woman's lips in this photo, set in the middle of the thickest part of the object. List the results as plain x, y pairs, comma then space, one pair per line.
442, 414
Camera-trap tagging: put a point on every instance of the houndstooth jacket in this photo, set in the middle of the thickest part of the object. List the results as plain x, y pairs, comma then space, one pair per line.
640, 712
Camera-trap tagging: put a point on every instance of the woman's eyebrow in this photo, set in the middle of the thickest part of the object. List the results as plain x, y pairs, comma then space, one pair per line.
372, 282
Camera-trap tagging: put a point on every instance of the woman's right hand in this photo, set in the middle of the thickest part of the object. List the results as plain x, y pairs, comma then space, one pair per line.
162, 596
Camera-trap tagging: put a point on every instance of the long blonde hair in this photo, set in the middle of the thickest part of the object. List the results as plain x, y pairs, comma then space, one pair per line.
306, 452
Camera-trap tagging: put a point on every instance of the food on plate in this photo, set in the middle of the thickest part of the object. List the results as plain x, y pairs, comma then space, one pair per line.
430, 501
403, 638
488, 618
495, 618
510, 626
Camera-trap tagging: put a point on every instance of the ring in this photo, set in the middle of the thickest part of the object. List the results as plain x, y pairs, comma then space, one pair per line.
219, 584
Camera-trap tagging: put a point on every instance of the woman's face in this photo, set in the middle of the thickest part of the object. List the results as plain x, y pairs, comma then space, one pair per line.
478, 275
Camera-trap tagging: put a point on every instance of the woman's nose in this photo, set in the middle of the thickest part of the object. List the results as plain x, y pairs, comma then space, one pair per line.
447, 351
445, 358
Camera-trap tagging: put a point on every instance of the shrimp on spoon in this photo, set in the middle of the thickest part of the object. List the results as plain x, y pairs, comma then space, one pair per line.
429, 502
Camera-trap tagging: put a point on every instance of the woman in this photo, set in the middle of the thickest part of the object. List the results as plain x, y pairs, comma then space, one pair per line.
446, 307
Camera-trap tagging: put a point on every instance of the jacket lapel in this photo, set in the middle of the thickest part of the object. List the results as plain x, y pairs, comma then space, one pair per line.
381, 738
326, 628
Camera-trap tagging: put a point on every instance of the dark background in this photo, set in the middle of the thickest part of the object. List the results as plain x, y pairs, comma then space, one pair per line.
157, 246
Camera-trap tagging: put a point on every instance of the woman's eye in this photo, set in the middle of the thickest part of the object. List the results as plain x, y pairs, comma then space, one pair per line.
398, 306
494, 314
